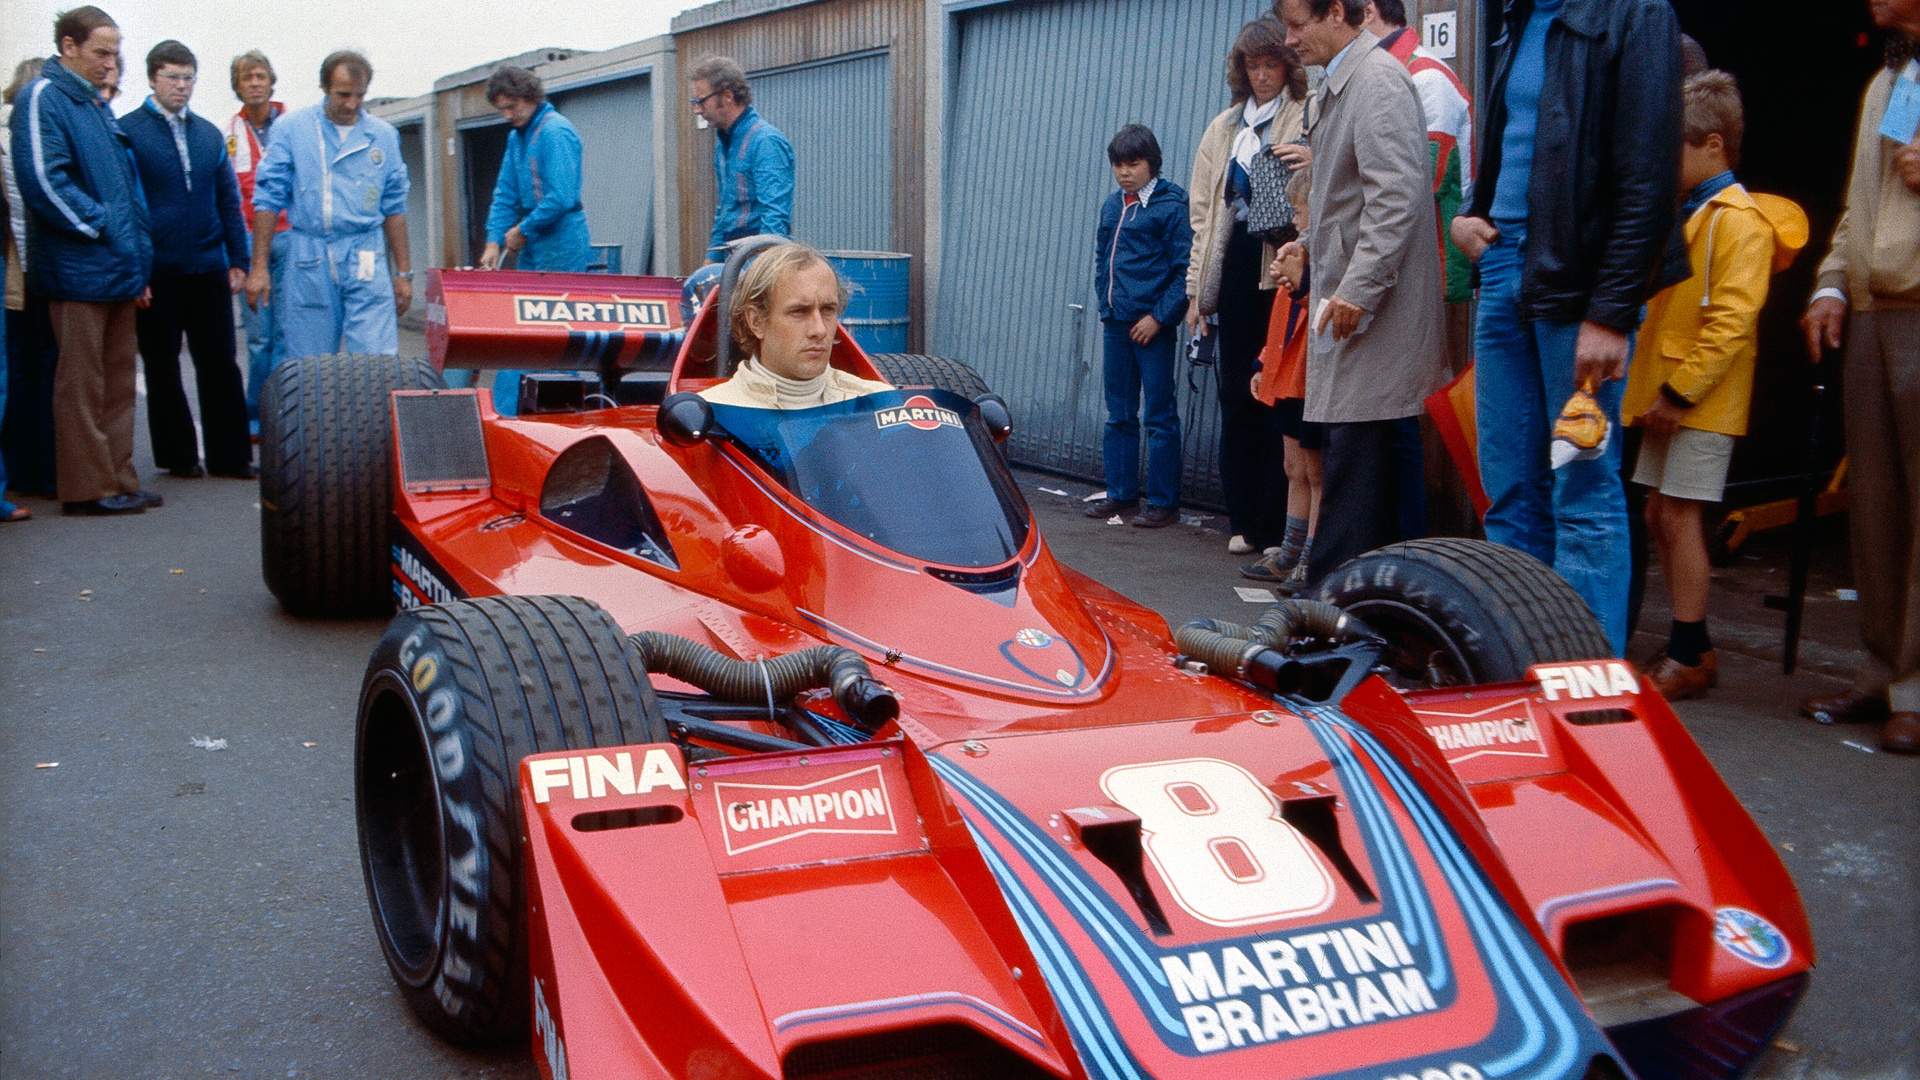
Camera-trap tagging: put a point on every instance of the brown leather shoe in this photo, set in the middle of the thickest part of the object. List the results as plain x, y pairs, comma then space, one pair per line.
1852, 707
1676, 680
1902, 733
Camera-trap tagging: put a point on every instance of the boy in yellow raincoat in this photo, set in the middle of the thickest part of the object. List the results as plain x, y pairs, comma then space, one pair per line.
1692, 373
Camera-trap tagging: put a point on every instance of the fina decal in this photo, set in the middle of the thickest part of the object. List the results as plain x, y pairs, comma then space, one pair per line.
919, 413
551, 1044
1751, 938
1033, 639
1611, 679
595, 776
1505, 729
760, 815
612, 312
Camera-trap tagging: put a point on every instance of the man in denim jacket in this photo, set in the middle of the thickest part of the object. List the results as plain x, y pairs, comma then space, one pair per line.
752, 161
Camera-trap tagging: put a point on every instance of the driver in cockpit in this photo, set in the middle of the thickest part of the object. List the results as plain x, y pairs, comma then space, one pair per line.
786, 310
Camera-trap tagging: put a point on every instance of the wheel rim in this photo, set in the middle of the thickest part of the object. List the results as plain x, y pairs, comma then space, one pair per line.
402, 837
1420, 655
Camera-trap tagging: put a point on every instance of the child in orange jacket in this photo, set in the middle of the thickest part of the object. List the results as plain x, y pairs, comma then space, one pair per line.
1280, 380
1692, 373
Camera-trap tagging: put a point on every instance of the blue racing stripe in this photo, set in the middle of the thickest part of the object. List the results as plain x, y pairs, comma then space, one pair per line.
1102, 1052
1095, 911
1511, 953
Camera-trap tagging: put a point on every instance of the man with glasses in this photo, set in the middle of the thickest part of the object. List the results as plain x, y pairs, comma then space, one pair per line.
199, 262
752, 161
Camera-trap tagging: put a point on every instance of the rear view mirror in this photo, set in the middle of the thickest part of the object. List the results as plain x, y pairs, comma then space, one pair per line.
995, 415
685, 418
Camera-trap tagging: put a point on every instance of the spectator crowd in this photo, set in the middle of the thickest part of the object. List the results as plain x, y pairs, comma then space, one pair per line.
1321, 255
1332, 242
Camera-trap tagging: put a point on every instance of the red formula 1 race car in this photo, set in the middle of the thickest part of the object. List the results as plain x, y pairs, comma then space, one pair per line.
727, 743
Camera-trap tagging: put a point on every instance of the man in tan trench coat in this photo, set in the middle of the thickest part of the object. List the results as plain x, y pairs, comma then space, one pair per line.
1378, 344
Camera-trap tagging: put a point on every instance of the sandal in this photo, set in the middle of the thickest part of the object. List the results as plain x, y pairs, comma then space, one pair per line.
18, 513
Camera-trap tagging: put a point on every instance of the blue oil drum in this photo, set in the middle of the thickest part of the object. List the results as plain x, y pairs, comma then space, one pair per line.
877, 312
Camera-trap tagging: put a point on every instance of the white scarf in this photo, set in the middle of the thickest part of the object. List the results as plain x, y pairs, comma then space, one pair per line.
1247, 141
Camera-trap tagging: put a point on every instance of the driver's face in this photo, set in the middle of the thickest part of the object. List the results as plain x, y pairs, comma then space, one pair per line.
796, 331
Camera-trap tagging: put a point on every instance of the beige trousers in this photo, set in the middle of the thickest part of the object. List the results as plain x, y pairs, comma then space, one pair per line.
93, 398
1882, 399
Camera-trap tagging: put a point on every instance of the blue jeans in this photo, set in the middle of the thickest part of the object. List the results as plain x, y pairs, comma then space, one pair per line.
264, 348
1574, 519
1131, 371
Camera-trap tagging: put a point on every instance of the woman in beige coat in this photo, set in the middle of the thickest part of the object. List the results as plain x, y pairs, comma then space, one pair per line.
1228, 281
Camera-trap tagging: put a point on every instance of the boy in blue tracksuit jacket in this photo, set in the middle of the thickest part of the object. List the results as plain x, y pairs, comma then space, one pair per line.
1140, 274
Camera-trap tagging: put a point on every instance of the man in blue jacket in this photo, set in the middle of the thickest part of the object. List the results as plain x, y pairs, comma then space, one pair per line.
199, 261
752, 161
87, 229
536, 201
336, 171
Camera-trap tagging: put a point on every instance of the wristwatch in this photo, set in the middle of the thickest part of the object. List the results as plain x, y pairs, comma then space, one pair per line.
406, 275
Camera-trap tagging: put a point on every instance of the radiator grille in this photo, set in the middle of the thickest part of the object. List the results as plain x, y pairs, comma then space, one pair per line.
441, 445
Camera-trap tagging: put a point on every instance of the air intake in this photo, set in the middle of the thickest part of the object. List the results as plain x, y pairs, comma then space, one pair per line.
936, 1052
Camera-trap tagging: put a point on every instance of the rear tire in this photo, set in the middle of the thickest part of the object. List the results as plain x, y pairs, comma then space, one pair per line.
326, 480
1460, 612
455, 695
939, 372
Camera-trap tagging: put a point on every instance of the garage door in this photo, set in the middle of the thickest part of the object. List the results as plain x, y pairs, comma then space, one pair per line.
836, 114
615, 121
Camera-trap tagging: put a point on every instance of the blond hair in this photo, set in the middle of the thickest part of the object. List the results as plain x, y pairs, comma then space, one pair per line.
1712, 102
754, 292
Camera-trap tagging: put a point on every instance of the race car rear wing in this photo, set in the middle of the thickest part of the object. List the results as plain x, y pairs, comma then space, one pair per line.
491, 319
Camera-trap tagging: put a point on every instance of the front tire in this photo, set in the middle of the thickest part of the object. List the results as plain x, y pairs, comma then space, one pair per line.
326, 480
455, 695
1460, 612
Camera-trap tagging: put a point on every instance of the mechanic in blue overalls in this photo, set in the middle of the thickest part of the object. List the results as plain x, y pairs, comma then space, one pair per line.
336, 171
536, 202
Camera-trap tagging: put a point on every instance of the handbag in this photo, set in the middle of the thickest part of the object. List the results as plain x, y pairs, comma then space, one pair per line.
1269, 211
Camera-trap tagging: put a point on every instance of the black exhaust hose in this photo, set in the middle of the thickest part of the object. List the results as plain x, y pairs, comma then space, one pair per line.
1253, 653
748, 682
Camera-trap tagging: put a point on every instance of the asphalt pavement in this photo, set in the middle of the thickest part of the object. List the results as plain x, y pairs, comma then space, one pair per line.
181, 896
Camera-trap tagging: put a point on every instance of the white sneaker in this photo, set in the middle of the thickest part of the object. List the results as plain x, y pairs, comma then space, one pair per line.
1274, 550
1238, 546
